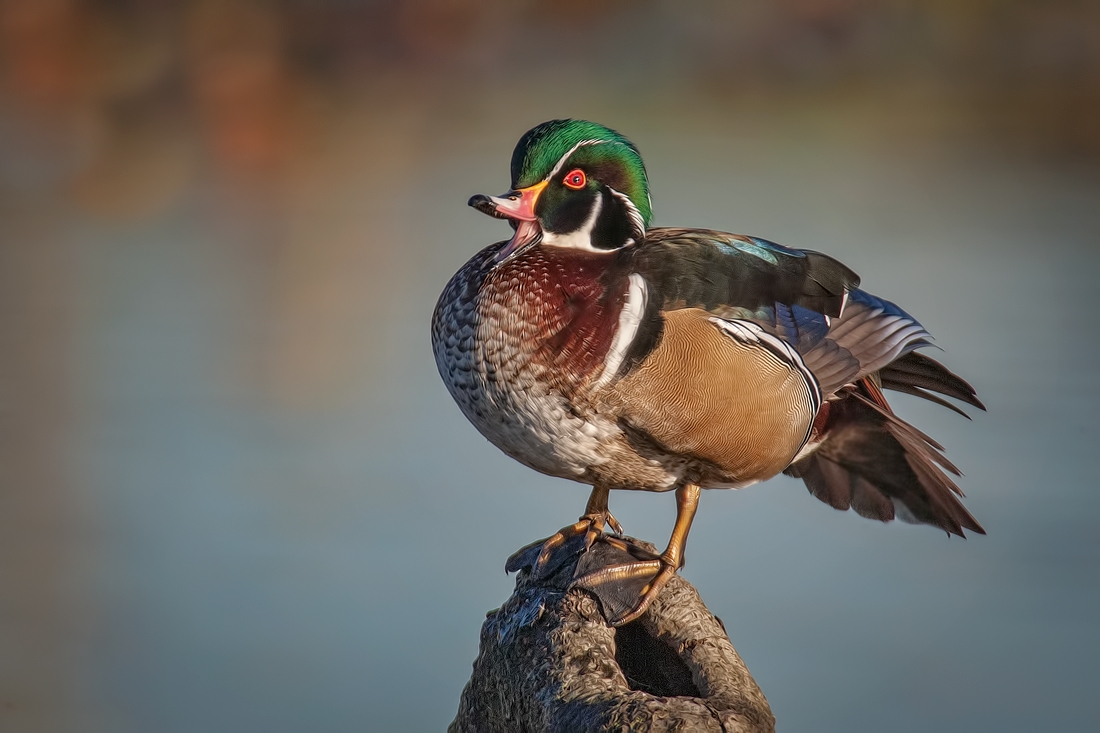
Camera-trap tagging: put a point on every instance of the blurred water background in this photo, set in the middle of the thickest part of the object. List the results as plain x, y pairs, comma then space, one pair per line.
234, 494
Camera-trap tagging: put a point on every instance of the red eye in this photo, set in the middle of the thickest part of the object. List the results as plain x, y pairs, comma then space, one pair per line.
575, 179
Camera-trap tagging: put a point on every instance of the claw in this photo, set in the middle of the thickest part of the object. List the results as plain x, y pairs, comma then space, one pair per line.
616, 528
584, 525
591, 525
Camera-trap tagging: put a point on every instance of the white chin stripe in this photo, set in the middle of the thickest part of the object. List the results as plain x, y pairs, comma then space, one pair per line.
630, 317
580, 239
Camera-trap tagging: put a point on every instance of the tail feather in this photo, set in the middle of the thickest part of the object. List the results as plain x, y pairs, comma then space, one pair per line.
861, 455
871, 461
918, 392
918, 374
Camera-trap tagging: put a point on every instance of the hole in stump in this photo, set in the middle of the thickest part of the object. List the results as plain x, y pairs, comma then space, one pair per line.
650, 665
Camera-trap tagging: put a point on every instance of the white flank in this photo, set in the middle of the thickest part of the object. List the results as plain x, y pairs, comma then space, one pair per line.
630, 317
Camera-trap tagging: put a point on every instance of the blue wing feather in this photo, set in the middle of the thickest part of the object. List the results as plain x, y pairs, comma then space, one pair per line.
801, 327
855, 295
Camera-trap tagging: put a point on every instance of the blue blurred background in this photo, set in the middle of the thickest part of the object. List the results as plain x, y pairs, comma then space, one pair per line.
234, 494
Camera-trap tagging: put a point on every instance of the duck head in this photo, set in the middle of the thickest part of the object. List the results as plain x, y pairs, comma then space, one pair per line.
574, 184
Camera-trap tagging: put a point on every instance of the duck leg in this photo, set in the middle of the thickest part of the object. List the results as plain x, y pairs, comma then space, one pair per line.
626, 590
590, 524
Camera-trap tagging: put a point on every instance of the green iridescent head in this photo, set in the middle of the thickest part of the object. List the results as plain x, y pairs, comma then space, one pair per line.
574, 184
559, 146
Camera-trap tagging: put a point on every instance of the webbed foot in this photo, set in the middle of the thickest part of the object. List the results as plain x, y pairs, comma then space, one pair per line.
626, 589
623, 575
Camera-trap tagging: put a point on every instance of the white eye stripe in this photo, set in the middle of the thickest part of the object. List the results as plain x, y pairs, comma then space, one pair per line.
561, 161
635, 215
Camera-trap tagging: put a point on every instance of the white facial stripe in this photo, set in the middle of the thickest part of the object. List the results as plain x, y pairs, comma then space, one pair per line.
581, 238
636, 221
630, 317
562, 159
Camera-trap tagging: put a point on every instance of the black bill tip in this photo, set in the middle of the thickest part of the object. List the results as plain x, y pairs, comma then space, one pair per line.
485, 205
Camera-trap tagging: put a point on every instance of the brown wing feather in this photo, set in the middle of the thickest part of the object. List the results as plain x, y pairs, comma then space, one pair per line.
879, 465
869, 335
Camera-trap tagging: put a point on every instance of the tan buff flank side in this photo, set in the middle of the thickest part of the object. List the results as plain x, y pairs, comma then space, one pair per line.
703, 393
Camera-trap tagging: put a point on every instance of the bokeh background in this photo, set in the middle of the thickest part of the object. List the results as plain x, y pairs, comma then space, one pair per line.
234, 494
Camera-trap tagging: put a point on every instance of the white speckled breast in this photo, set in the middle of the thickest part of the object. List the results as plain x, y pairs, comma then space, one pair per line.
493, 335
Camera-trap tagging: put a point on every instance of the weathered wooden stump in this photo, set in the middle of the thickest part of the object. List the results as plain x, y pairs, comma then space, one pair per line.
549, 661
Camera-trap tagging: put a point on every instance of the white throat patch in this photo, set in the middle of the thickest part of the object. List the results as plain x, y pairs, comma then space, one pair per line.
581, 238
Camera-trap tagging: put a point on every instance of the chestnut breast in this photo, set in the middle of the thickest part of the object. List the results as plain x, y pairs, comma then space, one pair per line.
519, 343
562, 307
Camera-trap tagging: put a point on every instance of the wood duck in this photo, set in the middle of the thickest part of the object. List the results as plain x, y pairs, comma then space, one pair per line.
592, 347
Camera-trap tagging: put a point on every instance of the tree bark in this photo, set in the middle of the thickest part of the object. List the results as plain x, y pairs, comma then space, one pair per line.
549, 661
